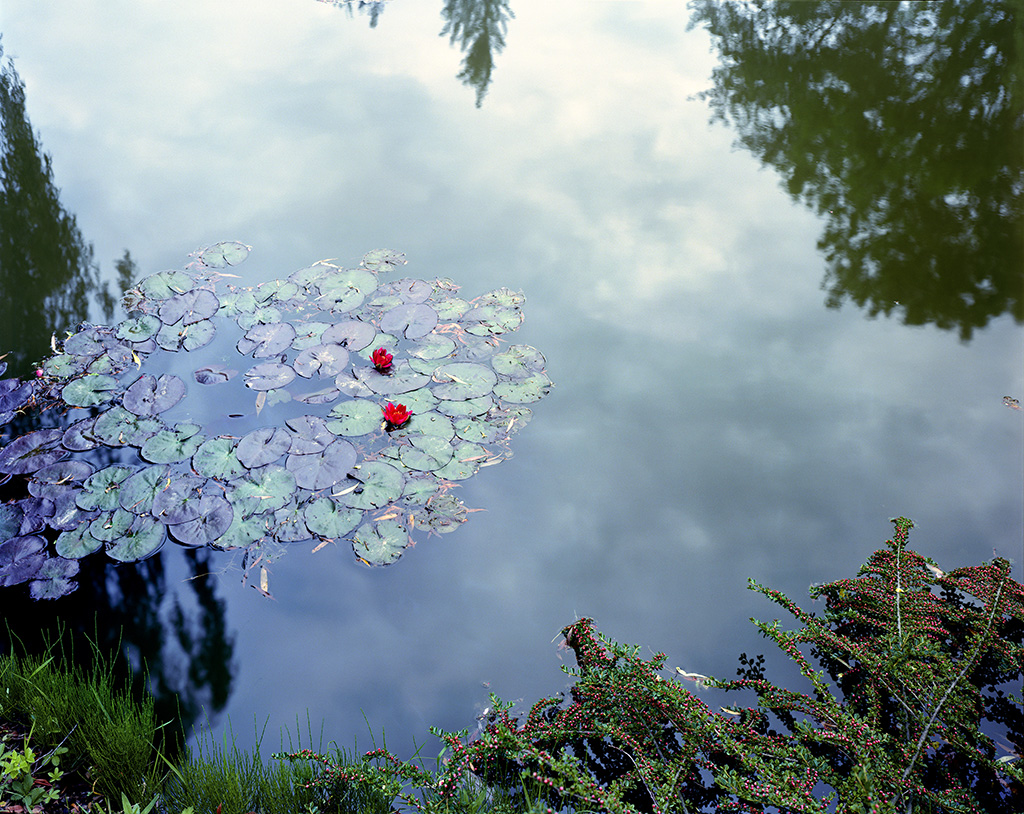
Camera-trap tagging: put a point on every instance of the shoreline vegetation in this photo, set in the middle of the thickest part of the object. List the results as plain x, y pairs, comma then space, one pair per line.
914, 707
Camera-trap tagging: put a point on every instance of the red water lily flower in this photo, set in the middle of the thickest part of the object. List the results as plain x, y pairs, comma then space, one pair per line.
381, 360
396, 415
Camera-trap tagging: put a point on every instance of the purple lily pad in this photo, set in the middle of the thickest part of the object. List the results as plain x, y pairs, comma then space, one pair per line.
150, 395
214, 374
190, 307
31, 452
269, 376
353, 334
215, 516
264, 340
20, 559
263, 446
324, 469
179, 501
413, 321
328, 360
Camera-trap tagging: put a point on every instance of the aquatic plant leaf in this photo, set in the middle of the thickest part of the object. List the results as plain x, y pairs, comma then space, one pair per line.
355, 417
321, 470
381, 543
237, 302
330, 518
383, 260
345, 290
309, 434
214, 374
263, 446
165, 284
307, 334
464, 380
401, 379
379, 485
420, 401
63, 366
264, 340
433, 346
139, 329
266, 315
138, 491
464, 463
269, 376
226, 253
277, 290
20, 559
243, 532
491, 320
10, 520
216, 458
348, 384
54, 579
179, 500
324, 396
215, 516
481, 429
79, 436
469, 407
263, 489
451, 309
190, 307
518, 362
32, 451
413, 321
90, 390
66, 512
186, 337
150, 395
327, 360
419, 489
524, 391
145, 537
111, 525
289, 524
352, 334
77, 542
171, 446
428, 453
441, 514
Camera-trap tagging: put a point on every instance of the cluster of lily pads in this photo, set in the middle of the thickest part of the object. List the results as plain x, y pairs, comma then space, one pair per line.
156, 435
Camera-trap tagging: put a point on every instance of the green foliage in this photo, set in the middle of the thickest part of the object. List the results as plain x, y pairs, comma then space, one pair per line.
919, 659
19, 769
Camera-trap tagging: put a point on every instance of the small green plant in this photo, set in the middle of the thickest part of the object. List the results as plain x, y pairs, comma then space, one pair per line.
18, 774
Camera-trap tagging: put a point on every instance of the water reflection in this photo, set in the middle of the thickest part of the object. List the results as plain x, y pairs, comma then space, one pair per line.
43, 256
478, 26
900, 124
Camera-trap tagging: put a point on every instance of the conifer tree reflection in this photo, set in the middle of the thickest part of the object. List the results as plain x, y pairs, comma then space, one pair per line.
47, 273
478, 26
901, 124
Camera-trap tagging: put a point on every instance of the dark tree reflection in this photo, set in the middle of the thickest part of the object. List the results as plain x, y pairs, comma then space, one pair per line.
901, 124
478, 26
47, 273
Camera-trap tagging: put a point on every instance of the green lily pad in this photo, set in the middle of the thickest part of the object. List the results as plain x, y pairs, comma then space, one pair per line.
330, 518
524, 391
464, 380
62, 366
111, 525
227, 253
143, 539
264, 489
464, 463
355, 417
243, 532
428, 453
433, 346
171, 446
179, 336
383, 260
379, 485
165, 284
519, 362
77, 542
381, 543
136, 494
441, 514
345, 290
469, 407
216, 458
90, 390
139, 329
101, 489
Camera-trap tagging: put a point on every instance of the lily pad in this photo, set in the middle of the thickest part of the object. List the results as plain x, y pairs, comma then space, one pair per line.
327, 360
215, 516
330, 518
165, 284
383, 260
380, 543
355, 417
31, 452
401, 379
321, 470
226, 253
61, 366
524, 391
101, 489
519, 362
179, 336
20, 559
464, 463
345, 290
378, 485
464, 380
441, 514
216, 458
54, 579
89, 390
150, 395
111, 525
143, 539
137, 492
352, 334
190, 307
265, 340
171, 446
264, 489
77, 542
139, 329
413, 321
180, 500
263, 446
269, 376
427, 453
214, 374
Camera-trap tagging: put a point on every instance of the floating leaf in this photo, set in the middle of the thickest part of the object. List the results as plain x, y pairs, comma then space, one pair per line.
309, 434
464, 380
54, 579
150, 395
524, 391
79, 436
143, 539
118, 427
111, 525
165, 284
263, 446
269, 376
345, 290
289, 524
226, 253
381, 543
139, 329
519, 362
171, 446
216, 458
186, 337
442, 514
214, 374
401, 379
321, 470
352, 334
77, 542
215, 516
180, 500
190, 307
327, 360
413, 321
428, 453
61, 366
137, 493
464, 463
379, 485
264, 340
243, 532
433, 346
264, 489
20, 559
89, 390
469, 407
383, 260
355, 417
329, 518
31, 452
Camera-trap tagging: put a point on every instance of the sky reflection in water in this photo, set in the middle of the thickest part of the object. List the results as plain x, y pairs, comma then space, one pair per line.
712, 421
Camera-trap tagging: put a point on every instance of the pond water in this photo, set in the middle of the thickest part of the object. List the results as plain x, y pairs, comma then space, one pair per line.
712, 419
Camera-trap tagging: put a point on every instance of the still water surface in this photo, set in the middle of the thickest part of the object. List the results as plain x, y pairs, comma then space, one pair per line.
712, 419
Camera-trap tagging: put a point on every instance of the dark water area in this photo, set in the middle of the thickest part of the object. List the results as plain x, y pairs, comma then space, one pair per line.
774, 261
